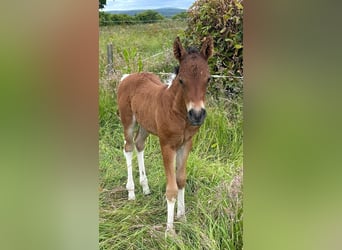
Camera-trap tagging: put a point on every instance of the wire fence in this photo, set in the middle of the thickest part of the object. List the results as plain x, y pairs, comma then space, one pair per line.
110, 67
142, 21
213, 76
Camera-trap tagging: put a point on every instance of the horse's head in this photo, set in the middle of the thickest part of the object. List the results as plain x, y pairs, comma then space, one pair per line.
194, 76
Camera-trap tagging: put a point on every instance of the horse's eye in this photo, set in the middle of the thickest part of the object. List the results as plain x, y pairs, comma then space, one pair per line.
181, 81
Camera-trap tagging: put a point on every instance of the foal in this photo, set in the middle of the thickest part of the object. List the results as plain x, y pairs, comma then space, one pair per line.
174, 113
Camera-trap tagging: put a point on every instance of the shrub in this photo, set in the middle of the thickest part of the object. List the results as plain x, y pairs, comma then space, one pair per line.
148, 16
104, 18
180, 15
223, 20
121, 19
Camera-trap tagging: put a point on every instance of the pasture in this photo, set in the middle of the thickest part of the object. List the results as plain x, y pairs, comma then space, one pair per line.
213, 192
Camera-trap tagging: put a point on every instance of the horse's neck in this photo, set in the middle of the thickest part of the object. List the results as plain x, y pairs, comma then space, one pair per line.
174, 98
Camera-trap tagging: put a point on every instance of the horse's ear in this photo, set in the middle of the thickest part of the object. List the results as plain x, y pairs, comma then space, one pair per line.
207, 47
178, 49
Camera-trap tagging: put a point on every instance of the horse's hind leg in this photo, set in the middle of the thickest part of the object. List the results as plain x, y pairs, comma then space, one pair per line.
128, 123
140, 145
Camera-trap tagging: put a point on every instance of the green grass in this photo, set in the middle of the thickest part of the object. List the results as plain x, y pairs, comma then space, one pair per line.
152, 42
213, 195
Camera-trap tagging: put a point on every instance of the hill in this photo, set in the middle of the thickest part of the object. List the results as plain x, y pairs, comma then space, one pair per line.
166, 12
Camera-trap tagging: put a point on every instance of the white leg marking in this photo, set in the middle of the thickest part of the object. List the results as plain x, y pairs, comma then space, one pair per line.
170, 214
180, 204
142, 172
130, 182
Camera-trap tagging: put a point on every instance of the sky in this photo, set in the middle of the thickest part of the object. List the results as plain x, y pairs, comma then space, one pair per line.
146, 4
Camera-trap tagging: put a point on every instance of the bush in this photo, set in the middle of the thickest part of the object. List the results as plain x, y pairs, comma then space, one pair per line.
180, 15
148, 16
104, 18
121, 19
223, 20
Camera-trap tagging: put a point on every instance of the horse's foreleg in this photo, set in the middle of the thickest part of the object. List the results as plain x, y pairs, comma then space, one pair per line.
130, 181
140, 145
171, 186
181, 158
128, 152
142, 173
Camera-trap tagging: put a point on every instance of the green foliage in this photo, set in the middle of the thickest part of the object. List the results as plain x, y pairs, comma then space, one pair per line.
104, 18
102, 3
121, 19
152, 42
133, 60
181, 15
148, 16
223, 20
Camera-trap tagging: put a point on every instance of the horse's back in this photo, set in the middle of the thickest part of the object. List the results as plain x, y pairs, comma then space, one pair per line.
138, 95
139, 82
137, 79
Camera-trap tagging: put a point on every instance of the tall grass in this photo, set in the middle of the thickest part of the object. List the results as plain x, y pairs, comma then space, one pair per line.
213, 193
152, 42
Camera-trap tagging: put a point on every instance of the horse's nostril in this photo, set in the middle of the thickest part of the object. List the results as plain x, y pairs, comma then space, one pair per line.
191, 112
203, 113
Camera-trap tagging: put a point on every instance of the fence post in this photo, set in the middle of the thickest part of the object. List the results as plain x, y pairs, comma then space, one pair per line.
110, 68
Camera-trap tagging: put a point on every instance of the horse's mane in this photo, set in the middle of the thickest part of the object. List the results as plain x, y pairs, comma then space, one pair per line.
192, 50
176, 70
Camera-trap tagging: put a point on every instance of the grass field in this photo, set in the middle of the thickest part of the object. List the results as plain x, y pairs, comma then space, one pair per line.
213, 195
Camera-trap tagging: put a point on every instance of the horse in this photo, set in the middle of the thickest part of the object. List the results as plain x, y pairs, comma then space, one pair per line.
173, 113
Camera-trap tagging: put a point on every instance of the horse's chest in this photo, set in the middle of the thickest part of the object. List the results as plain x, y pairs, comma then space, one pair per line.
189, 132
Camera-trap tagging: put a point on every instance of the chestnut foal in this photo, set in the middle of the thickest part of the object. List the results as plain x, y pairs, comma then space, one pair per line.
174, 113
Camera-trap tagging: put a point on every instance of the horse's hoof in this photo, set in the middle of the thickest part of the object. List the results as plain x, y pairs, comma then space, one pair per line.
146, 191
131, 196
170, 232
181, 218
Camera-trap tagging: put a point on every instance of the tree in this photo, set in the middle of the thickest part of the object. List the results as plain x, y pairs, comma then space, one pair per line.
180, 15
102, 3
149, 16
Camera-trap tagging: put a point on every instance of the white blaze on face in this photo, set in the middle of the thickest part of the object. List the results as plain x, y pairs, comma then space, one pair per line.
195, 106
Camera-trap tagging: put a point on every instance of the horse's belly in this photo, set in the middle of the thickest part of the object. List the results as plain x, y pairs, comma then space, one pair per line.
144, 121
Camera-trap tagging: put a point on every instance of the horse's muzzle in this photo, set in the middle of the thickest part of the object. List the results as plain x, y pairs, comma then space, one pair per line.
195, 117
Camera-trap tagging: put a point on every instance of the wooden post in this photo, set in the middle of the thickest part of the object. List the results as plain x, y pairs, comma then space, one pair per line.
110, 69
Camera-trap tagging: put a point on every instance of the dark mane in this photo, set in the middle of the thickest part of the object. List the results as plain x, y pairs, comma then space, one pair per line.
176, 70
192, 50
